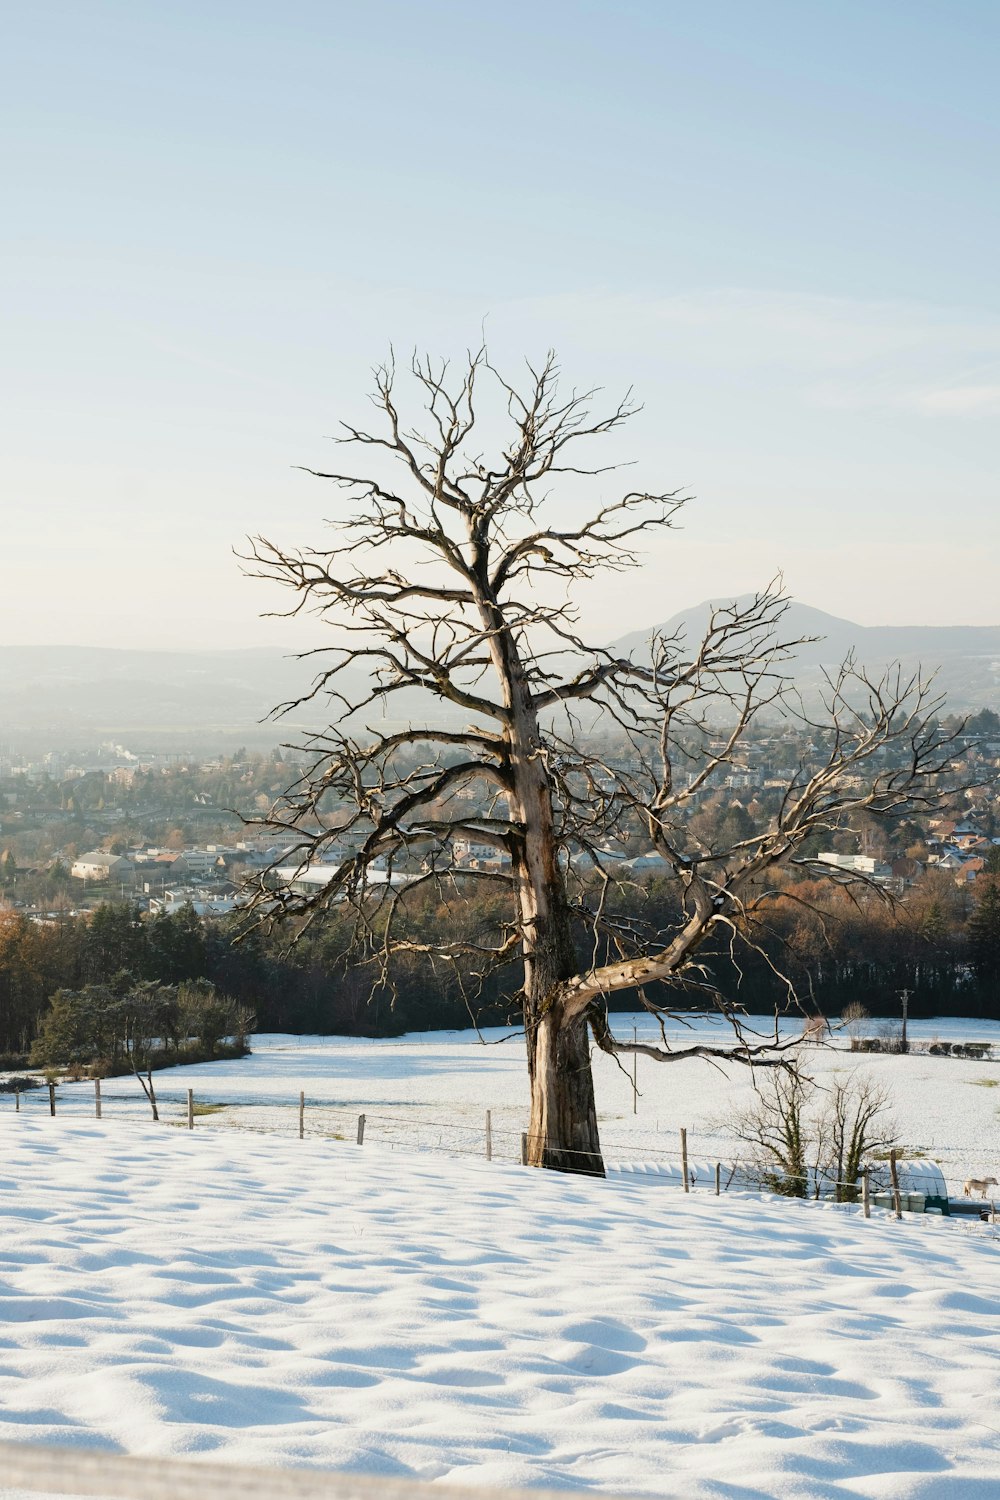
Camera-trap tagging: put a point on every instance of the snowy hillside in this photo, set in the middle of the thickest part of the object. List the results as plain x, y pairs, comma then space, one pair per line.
268, 1300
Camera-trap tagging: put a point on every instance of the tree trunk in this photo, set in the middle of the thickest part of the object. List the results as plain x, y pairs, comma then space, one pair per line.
562, 1133
563, 1130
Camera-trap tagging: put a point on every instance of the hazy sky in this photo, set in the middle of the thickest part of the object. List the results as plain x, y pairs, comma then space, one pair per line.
778, 221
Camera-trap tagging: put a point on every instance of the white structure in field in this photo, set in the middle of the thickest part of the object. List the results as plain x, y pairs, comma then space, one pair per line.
307, 879
858, 864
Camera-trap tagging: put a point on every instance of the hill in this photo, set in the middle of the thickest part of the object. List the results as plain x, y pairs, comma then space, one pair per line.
966, 657
57, 696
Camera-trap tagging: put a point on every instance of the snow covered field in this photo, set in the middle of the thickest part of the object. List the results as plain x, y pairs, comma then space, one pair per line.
396, 1310
431, 1090
264, 1300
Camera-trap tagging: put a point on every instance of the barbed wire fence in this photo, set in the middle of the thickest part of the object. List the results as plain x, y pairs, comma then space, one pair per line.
500, 1137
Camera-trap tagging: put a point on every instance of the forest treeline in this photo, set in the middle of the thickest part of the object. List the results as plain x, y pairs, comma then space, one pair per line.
941, 943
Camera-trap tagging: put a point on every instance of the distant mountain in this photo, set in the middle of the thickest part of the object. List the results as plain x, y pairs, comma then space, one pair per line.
967, 657
75, 696
58, 697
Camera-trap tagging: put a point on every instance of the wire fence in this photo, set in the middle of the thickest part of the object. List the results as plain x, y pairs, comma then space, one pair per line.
706, 1163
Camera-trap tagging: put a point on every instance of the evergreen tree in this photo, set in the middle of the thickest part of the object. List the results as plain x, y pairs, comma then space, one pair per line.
984, 939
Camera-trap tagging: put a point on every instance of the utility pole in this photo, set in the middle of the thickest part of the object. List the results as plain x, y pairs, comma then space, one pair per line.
904, 996
635, 1085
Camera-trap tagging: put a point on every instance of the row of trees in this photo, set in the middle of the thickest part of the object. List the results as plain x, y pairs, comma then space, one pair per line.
941, 944
307, 989
125, 1025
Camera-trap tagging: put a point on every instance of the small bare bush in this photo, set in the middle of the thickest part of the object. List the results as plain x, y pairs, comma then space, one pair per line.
774, 1127
805, 1140
854, 1016
858, 1120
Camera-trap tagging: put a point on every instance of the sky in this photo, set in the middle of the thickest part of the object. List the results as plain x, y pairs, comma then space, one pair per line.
777, 222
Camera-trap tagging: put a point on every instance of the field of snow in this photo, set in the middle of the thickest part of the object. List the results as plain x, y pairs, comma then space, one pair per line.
262, 1300
431, 1090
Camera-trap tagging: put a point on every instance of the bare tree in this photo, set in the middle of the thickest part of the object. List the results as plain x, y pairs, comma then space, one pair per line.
806, 1138
146, 1013
444, 578
775, 1128
854, 1015
858, 1121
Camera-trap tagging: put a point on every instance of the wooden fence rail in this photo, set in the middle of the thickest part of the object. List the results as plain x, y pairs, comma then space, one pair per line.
111, 1476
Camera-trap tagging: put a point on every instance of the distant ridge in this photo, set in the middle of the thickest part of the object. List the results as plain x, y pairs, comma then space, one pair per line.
59, 696
75, 695
966, 657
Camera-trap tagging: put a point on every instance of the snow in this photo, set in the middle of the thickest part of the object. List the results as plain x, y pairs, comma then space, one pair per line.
431, 1090
274, 1301
402, 1308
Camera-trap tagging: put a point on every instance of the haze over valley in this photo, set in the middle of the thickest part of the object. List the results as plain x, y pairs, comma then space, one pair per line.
56, 697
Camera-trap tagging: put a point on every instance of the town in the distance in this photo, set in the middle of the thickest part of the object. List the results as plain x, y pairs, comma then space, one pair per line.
127, 859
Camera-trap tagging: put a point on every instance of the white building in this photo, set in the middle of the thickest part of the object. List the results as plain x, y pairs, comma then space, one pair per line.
99, 865
858, 864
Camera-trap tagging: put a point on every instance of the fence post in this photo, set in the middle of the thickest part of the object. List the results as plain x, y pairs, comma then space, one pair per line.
361, 1130
489, 1136
865, 1195
524, 1148
684, 1159
302, 1113
190, 1109
97, 1098
52, 1098
718, 1177
17, 1100
897, 1204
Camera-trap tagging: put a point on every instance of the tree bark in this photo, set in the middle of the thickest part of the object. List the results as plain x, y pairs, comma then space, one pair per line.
563, 1130
562, 1133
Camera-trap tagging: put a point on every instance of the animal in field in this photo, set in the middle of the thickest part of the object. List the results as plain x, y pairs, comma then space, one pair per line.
977, 1185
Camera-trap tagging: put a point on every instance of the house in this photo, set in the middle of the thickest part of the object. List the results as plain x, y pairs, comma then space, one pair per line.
965, 867
643, 863
474, 855
200, 863
740, 780
969, 843
99, 865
